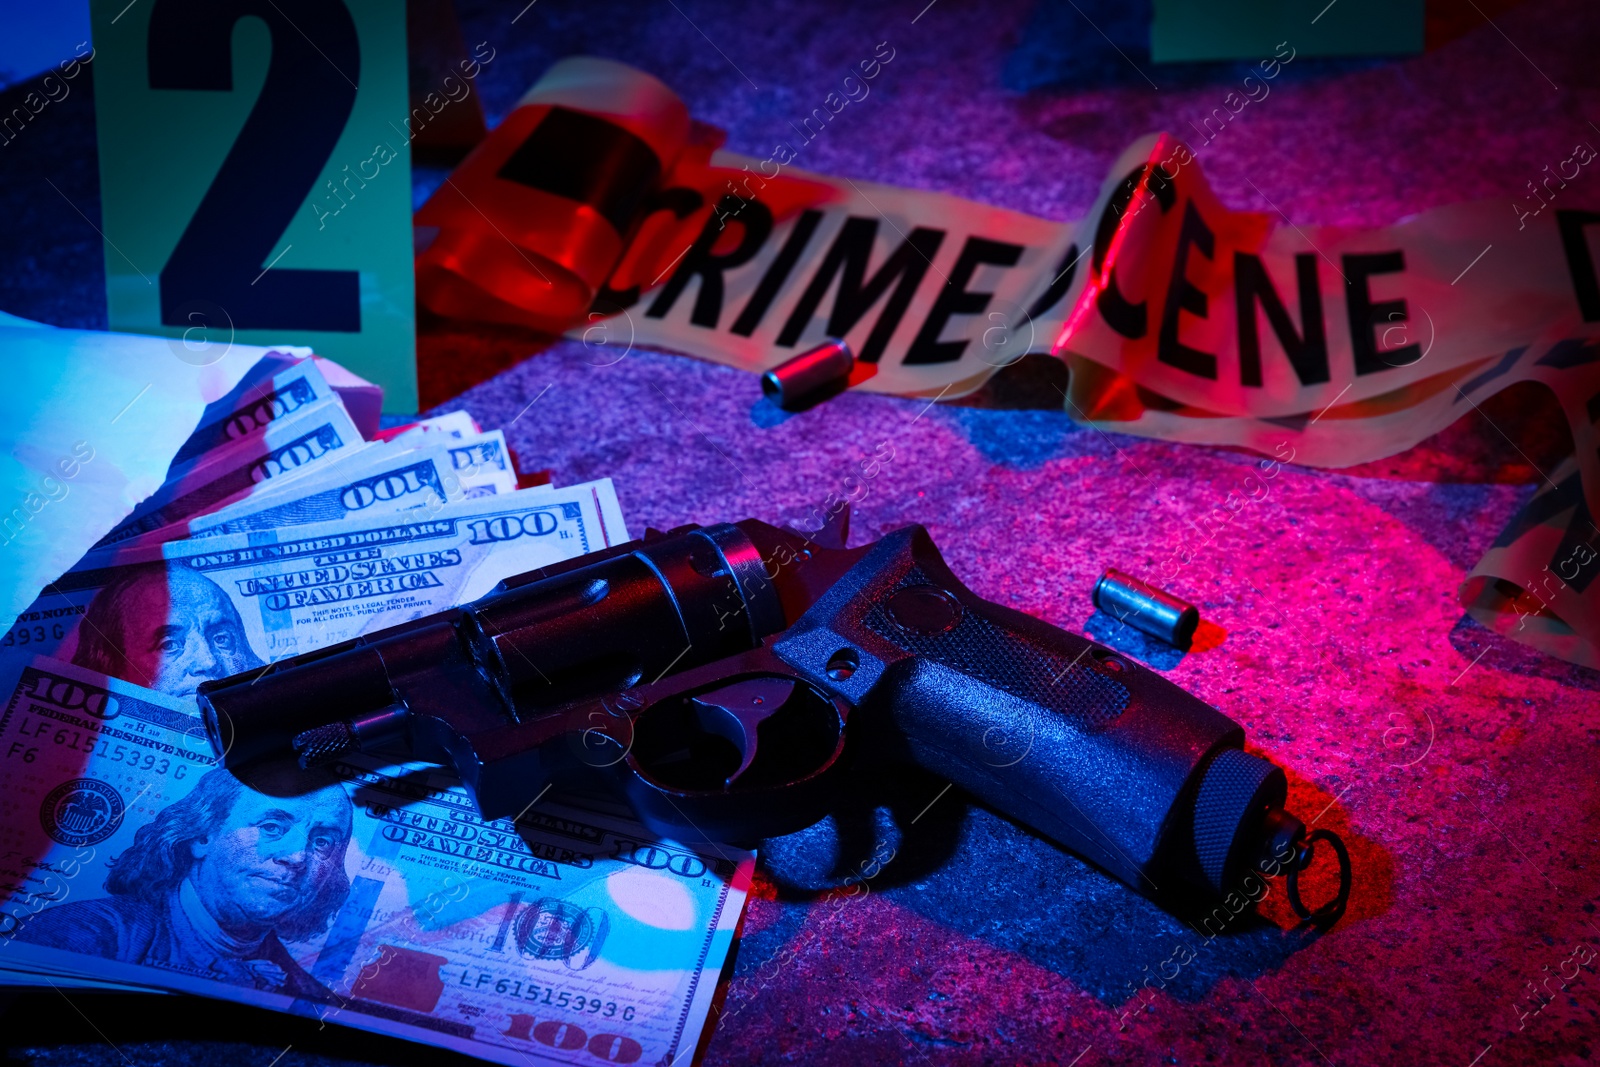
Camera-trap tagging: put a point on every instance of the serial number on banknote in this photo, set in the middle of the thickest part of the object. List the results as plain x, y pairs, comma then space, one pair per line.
106, 750
122, 748
37, 633
517, 990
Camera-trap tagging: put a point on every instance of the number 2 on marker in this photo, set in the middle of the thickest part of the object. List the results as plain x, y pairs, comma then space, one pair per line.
307, 97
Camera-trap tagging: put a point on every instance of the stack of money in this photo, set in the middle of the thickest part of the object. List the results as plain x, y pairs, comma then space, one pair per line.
368, 894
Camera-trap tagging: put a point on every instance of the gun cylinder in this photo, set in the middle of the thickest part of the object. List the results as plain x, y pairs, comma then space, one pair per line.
683, 600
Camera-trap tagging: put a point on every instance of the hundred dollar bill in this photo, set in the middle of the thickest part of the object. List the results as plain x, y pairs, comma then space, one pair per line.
378, 480
292, 447
483, 463
366, 896
265, 396
482, 459
171, 616
452, 424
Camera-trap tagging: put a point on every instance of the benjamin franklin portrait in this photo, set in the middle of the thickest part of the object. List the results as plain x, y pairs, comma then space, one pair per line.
165, 627
217, 882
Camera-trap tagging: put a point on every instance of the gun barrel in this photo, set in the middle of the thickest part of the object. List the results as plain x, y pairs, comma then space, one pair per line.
258, 715
538, 641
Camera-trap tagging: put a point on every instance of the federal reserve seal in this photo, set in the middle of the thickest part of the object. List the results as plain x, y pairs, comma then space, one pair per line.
551, 929
84, 811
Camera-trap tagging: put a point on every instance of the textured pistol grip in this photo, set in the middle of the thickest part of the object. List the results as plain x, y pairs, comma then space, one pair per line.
1055, 731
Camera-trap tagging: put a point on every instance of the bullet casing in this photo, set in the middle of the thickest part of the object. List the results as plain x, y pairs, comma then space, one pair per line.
811, 376
1146, 608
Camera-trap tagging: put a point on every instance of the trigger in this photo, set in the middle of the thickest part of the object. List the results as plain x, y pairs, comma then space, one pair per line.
736, 711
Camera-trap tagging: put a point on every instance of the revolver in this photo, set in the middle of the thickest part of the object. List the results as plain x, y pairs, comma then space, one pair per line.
723, 679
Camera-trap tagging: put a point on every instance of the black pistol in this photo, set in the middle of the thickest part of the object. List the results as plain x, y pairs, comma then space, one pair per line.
722, 678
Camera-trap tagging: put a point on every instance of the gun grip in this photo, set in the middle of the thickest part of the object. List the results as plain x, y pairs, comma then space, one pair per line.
1062, 734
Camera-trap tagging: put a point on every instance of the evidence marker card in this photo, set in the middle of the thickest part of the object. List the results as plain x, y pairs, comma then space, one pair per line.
255, 178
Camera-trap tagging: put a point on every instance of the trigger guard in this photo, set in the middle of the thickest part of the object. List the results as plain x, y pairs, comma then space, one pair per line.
652, 731
736, 810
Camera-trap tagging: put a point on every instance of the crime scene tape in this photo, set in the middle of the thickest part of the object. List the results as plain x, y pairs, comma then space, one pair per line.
599, 202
